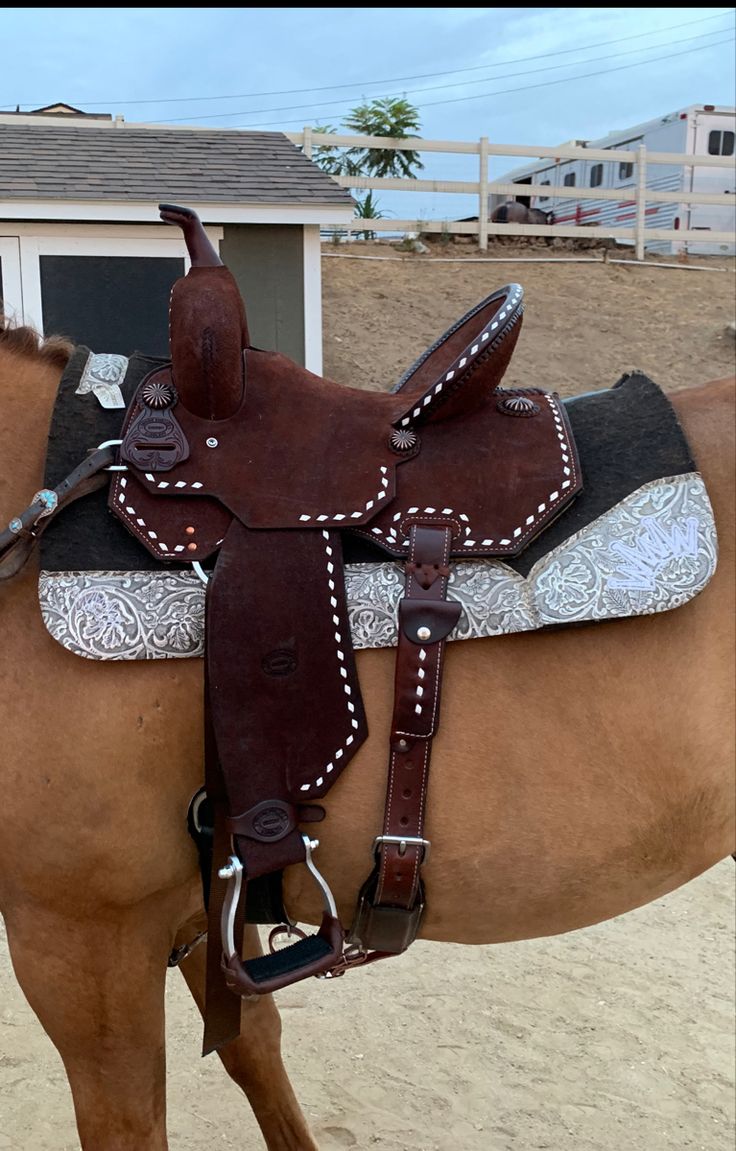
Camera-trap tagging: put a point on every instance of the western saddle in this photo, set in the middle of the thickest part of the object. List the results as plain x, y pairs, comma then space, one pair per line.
248, 465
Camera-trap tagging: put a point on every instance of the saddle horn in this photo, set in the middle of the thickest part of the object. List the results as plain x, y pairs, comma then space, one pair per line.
207, 325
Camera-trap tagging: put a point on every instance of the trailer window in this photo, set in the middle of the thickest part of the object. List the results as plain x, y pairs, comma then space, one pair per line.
596, 176
625, 170
570, 180
720, 143
544, 184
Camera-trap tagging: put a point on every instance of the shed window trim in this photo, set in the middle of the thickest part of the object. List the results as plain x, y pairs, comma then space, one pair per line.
76, 243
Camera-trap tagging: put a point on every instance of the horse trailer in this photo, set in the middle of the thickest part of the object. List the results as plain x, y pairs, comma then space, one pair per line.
702, 129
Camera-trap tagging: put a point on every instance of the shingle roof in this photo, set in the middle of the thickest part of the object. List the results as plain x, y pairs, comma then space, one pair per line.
43, 162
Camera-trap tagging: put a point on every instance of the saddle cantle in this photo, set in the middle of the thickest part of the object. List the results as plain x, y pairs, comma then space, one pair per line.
237, 452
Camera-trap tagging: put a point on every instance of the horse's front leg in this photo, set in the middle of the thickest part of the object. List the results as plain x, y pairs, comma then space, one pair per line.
254, 1060
97, 986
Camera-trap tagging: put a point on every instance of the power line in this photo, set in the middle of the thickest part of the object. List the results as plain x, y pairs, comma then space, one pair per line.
525, 87
587, 75
464, 83
397, 79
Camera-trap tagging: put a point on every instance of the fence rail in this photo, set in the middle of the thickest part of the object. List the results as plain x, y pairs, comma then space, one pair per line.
636, 196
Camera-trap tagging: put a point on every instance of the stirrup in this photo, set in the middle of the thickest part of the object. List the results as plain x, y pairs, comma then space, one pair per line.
311, 955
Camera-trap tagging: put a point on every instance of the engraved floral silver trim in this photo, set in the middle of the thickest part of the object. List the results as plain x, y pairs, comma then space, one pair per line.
103, 374
125, 615
654, 551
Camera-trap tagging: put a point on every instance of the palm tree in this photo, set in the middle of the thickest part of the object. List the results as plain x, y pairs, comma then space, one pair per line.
384, 117
381, 117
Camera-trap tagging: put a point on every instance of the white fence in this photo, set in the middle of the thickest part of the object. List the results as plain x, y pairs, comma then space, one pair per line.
640, 194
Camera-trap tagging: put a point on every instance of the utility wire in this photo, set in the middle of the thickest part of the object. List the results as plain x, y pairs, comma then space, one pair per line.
506, 91
487, 79
398, 79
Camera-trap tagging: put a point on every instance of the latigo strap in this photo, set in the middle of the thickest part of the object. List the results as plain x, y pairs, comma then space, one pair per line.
391, 901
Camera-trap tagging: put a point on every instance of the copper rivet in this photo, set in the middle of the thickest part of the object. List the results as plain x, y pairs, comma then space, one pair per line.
191, 547
189, 531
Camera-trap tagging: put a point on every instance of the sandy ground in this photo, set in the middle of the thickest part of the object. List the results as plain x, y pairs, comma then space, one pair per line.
617, 1037
585, 324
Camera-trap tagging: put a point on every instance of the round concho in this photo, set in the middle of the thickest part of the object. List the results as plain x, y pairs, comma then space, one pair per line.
403, 439
517, 406
158, 394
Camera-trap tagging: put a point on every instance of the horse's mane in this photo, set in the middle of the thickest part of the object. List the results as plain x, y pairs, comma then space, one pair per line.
26, 341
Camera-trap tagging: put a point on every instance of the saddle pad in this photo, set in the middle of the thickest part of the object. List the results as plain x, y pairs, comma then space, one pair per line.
639, 539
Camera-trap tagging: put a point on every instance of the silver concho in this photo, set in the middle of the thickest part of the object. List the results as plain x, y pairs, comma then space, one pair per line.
158, 394
517, 406
403, 439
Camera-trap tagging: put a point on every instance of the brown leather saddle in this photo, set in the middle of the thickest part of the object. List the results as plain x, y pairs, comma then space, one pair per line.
240, 454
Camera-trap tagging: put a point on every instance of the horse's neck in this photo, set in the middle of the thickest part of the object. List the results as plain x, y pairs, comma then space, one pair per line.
27, 390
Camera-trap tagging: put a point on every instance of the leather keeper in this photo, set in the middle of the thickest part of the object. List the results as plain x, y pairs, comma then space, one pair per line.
273, 819
268, 821
438, 616
390, 929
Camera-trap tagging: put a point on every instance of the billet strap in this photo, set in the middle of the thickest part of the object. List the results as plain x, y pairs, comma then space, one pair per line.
391, 901
18, 540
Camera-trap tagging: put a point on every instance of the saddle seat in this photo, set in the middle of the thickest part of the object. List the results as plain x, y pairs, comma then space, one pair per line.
497, 480
238, 452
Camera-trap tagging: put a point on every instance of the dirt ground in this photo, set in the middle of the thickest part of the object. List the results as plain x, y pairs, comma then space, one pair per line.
618, 1036
585, 323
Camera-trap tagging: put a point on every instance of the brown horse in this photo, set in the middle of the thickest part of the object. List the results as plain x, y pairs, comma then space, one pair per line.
577, 774
512, 212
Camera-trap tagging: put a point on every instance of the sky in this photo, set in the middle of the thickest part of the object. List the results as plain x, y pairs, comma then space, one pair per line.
516, 75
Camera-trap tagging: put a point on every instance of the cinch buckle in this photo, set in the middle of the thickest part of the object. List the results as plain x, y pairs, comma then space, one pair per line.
403, 841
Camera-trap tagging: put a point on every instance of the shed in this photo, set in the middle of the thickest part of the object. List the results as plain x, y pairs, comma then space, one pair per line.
82, 252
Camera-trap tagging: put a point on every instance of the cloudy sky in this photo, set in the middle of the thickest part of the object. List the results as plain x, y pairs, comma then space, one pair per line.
517, 75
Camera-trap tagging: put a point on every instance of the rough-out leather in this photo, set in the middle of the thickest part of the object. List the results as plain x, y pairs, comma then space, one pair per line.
207, 325
497, 479
269, 465
293, 662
